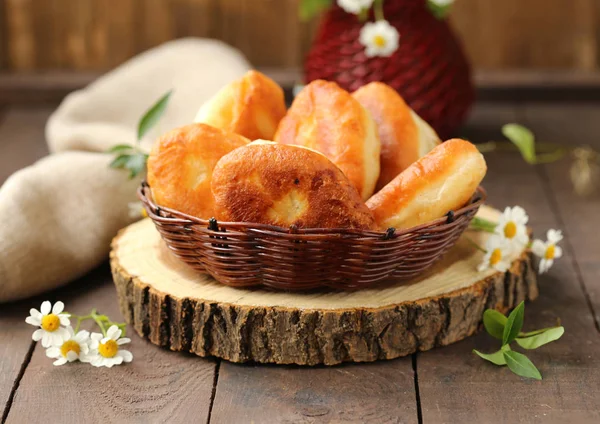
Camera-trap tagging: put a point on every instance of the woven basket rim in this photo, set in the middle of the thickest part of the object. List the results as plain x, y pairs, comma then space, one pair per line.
144, 193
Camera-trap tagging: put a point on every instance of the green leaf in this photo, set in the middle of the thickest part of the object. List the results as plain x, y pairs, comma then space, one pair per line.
119, 148
524, 139
533, 342
494, 323
136, 164
513, 324
496, 358
152, 115
120, 161
521, 365
307, 9
438, 10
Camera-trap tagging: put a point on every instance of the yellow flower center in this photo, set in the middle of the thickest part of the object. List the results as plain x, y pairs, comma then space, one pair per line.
549, 252
50, 322
379, 41
510, 230
108, 349
496, 256
69, 346
144, 213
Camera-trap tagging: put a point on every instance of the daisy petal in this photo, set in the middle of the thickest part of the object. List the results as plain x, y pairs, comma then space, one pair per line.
33, 321
538, 248
557, 252
46, 339
554, 236
46, 307
82, 336
53, 352
64, 320
71, 356
58, 308
60, 361
114, 332
123, 341
35, 313
37, 334
126, 355
64, 333
96, 336
56, 339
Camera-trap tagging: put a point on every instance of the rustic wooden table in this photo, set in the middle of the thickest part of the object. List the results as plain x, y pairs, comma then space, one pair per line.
443, 385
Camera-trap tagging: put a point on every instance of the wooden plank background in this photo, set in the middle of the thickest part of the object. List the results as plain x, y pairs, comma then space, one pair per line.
99, 34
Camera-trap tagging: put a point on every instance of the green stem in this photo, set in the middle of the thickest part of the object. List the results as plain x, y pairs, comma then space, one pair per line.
378, 10
482, 224
536, 332
98, 322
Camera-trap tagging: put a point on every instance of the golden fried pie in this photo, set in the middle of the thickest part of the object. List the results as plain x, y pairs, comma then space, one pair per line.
442, 180
284, 185
405, 137
251, 106
181, 163
326, 118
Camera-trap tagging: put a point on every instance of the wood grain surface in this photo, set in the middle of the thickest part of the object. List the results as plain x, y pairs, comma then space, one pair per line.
452, 385
158, 386
99, 34
21, 144
575, 124
354, 393
456, 386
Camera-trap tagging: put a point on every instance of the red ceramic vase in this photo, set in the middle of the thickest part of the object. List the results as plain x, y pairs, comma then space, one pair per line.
429, 69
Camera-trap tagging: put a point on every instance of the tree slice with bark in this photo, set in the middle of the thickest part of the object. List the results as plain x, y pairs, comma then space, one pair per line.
175, 307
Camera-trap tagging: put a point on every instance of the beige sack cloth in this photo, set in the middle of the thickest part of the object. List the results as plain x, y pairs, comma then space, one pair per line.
58, 216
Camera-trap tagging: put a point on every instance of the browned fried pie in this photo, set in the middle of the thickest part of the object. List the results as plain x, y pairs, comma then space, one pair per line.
181, 164
251, 106
441, 181
405, 137
277, 184
326, 118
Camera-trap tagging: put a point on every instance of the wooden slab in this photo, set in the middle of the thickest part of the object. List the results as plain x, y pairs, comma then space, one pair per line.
176, 307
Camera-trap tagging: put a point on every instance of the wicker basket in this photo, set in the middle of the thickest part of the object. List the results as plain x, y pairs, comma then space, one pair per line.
242, 254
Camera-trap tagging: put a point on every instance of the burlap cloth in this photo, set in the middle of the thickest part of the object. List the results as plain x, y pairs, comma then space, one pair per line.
58, 216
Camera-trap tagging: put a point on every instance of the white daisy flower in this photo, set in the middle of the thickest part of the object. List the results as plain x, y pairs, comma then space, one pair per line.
106, 351
73, 348
354, 6
497, 256
50, 320
136, 210
512, 226
548, 251
379, 38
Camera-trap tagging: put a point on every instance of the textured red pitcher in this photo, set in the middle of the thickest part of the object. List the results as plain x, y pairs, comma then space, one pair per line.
429, 69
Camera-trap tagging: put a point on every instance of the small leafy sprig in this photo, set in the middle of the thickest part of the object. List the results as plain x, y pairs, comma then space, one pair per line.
508, 330
132, 157
585, 169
